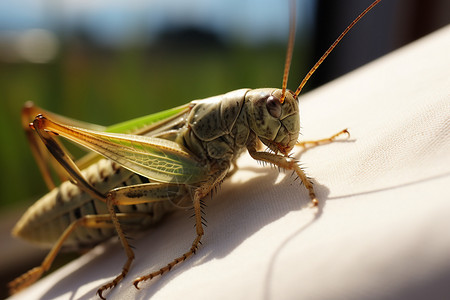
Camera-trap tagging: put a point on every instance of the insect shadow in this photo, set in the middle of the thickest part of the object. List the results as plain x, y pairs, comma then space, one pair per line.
244, 209
391, 187
241, 205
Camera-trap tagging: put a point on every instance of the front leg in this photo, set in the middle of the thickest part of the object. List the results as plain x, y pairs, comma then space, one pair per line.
287, 163
306, 145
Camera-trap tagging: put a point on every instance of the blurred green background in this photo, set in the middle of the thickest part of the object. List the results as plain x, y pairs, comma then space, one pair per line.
78, 62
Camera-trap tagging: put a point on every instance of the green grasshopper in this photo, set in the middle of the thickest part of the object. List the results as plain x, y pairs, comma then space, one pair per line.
155, 164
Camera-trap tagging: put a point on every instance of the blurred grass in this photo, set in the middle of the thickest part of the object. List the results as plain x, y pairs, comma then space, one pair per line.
110, 86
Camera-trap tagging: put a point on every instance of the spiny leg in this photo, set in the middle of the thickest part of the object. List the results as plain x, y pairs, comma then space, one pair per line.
199, 194
129, 252
190, 252
136, 194
288, 164
291, 164
89, 221
314, 143
63, 157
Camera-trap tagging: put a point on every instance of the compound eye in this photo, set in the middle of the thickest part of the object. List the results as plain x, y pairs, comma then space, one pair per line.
273, 106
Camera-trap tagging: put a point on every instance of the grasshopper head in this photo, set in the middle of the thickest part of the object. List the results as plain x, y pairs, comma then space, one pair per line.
276, 124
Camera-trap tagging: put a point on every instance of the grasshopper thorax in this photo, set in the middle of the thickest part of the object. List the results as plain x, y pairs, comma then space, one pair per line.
276, 124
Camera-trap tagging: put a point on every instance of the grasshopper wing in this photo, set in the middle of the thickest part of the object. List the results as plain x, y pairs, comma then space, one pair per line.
155, 158
139, 126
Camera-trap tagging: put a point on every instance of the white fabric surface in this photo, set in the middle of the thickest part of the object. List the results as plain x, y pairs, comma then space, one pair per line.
383, 230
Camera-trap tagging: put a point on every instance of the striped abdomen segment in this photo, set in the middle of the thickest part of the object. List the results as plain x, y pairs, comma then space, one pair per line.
45, 221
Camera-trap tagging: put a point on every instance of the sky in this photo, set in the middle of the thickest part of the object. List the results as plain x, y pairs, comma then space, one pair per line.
113, 22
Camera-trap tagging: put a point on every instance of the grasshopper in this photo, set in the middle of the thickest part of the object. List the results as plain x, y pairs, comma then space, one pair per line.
142, 169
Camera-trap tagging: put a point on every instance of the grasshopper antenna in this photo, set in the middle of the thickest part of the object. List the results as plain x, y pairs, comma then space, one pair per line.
324, 56
290, 49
